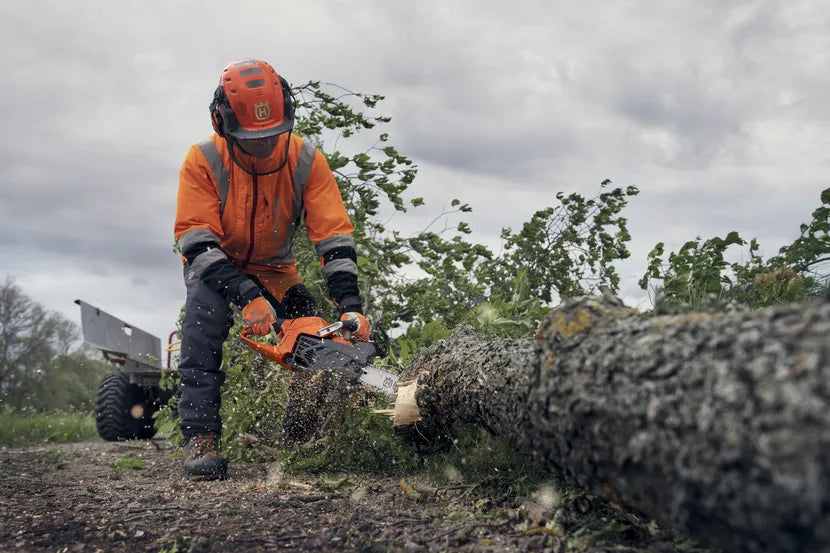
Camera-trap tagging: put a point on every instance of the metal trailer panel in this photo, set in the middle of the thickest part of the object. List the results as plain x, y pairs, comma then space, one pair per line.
141, 350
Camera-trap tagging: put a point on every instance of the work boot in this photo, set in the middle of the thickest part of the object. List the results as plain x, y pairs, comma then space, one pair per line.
201, 457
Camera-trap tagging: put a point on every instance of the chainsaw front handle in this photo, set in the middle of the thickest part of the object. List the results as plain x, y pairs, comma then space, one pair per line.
350, 324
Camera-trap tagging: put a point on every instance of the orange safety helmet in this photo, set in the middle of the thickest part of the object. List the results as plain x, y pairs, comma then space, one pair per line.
251, 102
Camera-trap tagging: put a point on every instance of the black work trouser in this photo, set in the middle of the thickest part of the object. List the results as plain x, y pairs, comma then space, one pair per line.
207, 321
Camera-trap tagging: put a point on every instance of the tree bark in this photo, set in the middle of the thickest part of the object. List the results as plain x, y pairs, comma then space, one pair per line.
718, 423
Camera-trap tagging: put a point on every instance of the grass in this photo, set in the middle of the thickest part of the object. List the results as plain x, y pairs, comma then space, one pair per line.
17, 429
128, 462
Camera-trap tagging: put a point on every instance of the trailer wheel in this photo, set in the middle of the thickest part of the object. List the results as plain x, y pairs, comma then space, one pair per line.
123, 411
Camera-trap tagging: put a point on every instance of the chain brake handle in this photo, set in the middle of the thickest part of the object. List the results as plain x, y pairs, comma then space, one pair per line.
348, 325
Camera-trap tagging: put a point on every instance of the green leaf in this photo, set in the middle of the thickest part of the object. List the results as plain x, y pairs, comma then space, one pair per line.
733, 238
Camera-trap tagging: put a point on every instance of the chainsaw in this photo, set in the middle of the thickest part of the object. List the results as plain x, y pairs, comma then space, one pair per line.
312, 344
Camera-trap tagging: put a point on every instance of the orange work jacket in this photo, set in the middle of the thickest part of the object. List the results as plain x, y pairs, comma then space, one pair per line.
253, 217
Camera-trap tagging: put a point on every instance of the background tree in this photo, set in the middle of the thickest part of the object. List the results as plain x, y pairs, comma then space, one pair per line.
42, 364
437, 273
700, 272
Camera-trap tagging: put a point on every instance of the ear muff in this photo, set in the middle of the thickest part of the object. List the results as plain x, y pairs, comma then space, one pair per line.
287, 99
216, 118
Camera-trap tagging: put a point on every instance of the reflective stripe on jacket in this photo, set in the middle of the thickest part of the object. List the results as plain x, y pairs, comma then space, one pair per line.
251, 219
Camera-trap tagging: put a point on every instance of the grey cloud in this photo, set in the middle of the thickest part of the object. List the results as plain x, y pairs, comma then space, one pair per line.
80, 205
467, 104
501, 104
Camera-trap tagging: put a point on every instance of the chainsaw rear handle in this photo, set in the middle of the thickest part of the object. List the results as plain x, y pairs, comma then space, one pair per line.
275, 327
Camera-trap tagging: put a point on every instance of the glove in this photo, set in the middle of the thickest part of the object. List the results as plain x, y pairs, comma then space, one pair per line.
362, 332
258, 316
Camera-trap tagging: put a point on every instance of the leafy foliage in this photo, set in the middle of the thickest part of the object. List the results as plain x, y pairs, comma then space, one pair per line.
694, 272
253, 398
811, 250
478, 458
568, 249
518, 314
364, 441
369, 178
417, 338
128, 462
437, 273
700, 271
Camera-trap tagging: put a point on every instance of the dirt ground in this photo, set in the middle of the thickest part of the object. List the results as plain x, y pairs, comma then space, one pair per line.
84, 497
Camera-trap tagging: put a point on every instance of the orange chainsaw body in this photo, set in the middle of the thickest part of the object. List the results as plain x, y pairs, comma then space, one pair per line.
290, 330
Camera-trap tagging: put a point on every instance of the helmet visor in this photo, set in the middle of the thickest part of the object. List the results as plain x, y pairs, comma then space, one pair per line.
259, 147
239, 133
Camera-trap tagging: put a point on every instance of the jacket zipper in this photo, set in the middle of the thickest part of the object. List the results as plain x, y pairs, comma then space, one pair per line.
253, 220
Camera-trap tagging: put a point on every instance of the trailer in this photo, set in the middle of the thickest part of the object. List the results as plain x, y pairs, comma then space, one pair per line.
128, 396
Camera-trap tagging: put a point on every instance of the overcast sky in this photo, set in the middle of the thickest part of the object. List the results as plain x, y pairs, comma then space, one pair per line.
716, 110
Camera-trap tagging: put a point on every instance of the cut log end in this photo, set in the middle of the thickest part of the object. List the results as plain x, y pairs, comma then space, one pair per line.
406, 407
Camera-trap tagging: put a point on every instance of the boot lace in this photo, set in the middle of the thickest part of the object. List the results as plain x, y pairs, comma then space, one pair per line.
202, 443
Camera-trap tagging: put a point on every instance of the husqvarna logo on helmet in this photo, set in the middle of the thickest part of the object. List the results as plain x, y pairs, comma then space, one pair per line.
262, 110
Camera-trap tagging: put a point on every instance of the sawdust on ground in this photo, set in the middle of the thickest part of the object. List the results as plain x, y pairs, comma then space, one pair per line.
127, 497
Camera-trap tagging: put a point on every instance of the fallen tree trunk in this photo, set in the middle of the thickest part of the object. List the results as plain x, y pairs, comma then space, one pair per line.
718, 424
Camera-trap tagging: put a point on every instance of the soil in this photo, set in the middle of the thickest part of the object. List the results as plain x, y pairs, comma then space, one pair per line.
83, 498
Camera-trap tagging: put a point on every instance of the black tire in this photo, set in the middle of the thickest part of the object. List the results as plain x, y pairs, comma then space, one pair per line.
115, 405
